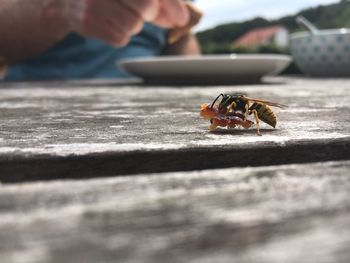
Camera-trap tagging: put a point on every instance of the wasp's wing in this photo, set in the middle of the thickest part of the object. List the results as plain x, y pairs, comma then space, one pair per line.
270, 103
217, 98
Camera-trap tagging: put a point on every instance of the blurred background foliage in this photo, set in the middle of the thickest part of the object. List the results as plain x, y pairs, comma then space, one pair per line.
219, 40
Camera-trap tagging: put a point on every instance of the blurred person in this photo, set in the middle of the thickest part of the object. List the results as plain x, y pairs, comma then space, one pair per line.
72, 39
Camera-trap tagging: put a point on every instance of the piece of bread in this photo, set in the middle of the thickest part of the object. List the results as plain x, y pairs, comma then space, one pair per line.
176, 34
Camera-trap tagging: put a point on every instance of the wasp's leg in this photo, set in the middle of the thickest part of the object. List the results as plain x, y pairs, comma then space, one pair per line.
246, 111
257, 122
233, 105
213, 127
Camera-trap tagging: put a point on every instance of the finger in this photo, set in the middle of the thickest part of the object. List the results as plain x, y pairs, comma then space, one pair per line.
147, 9
102, 29
121, 17
100, 19
195, 16
72, 12
172, 13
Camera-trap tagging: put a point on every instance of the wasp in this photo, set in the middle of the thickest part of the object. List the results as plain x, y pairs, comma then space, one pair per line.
241, 104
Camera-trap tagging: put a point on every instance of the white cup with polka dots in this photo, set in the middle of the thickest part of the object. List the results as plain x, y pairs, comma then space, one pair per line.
324, 54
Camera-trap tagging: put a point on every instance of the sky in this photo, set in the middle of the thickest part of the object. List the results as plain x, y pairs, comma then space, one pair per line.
225, 11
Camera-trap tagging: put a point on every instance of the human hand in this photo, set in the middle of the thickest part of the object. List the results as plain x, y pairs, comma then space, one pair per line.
177, 33
115, 21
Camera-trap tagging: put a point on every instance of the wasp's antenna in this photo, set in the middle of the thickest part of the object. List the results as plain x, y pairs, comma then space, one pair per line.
212, 105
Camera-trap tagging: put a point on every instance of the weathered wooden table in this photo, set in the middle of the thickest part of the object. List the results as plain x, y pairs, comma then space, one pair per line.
117, 172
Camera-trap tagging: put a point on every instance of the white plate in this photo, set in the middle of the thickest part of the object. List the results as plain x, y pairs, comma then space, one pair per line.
208, 69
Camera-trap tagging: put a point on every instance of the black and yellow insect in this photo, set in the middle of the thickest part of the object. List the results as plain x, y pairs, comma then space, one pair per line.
248, 106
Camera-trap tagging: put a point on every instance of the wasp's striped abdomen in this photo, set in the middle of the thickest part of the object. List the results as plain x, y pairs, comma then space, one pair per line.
264, 113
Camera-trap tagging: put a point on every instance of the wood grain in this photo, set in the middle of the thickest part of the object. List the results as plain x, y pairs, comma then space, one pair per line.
89, 129
292, 213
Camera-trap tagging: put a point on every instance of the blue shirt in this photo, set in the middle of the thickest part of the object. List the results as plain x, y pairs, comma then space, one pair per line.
78, 57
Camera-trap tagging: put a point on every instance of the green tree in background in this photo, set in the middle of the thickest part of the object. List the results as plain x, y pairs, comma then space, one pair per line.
219, 40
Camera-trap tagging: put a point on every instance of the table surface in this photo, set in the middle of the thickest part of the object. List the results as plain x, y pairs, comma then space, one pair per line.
105, 170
